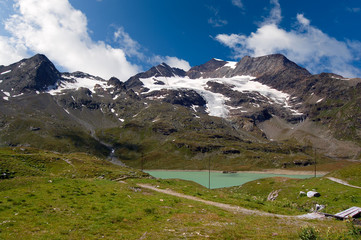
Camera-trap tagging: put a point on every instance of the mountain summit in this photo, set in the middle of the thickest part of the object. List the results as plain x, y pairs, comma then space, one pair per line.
162, 70
36, 73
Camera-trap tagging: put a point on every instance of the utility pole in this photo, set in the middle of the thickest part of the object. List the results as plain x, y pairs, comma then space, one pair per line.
209, 172
314, 155
141, 162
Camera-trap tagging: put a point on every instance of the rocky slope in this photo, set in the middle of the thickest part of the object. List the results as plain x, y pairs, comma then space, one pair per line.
239, 114
27, 76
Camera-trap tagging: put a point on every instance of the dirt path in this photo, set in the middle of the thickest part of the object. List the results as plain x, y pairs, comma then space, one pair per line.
342, 182
228, 207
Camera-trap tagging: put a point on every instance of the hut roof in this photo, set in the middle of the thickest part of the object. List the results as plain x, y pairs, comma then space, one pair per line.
351, 212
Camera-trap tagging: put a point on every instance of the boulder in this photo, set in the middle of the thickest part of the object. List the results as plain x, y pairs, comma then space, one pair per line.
311, 194
273, 195
319, 207
302, 193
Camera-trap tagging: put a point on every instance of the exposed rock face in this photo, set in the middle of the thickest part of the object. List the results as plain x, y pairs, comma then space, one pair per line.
79, 99
162, 70
79, 74
205, 69
270, 64
116, 83
325, 85
273, 70
187, 98
33, 74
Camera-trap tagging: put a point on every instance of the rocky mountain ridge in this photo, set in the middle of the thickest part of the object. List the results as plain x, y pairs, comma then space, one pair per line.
37, 74
216, 108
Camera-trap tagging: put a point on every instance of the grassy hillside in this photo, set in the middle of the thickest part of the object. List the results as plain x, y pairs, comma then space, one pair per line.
153, 134
47, 195
154, 140
34, 208
350, 174
334, 196
342, 114
38, 121
24, 162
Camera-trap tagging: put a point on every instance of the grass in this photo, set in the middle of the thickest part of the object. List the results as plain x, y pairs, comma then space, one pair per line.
72, 196
334, 196
34, 162
351, 174
37, 208
51, 135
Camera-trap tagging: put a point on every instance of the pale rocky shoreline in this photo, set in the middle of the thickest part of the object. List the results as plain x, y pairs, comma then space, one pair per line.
270, 171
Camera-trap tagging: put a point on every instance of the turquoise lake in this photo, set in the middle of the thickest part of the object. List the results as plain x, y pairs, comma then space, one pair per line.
218, 179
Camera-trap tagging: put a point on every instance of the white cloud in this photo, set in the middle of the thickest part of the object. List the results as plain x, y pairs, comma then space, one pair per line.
302, 20
131, 47
216, 20
305, 44
171, 61
11, 51
355, 47
275, 16
56, 29
238, 3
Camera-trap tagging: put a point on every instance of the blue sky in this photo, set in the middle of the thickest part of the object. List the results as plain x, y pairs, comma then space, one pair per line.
122, 37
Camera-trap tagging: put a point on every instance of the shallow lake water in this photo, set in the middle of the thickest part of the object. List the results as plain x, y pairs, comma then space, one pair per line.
218, 179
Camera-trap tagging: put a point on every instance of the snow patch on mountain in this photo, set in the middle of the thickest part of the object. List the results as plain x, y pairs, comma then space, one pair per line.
231, 65
74, 83
18, 95
5, 72
22, 64
320, 100
216, 102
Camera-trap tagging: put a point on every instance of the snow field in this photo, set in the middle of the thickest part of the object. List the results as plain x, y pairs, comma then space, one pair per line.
215, 101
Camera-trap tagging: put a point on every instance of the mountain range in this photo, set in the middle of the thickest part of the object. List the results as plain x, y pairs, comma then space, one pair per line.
259, 112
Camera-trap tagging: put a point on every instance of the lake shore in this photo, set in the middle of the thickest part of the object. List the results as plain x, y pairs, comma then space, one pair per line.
270, 171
